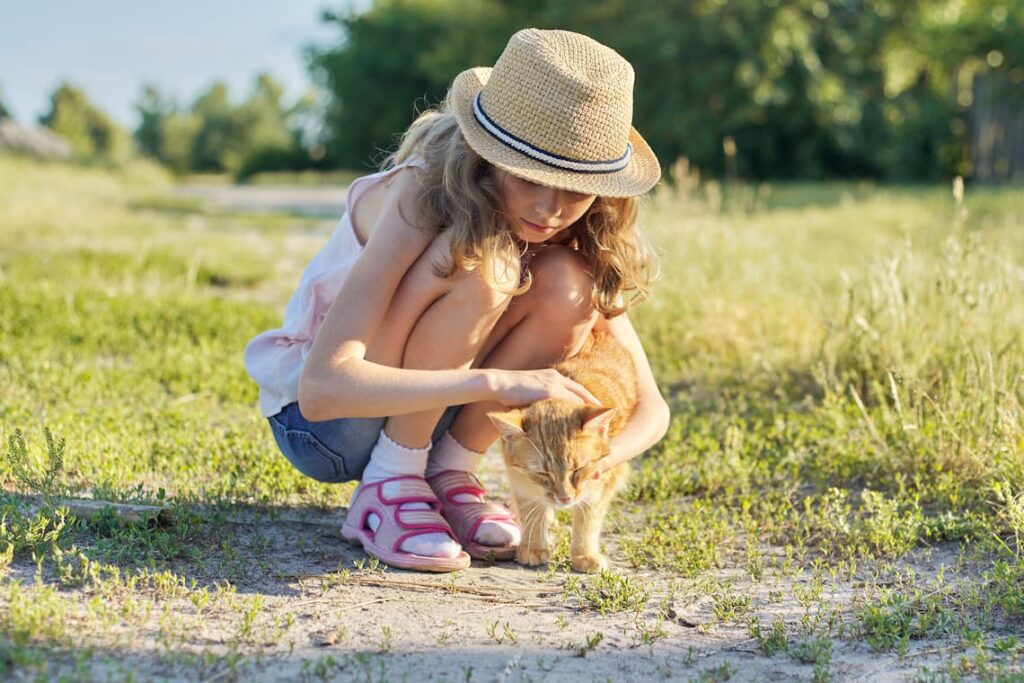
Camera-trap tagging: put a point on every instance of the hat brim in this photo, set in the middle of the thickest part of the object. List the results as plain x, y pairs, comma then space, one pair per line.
639, 176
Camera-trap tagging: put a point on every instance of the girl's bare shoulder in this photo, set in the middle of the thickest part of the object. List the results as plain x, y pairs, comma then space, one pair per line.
396, 198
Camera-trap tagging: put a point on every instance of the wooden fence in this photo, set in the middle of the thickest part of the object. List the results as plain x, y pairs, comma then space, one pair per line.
997, 129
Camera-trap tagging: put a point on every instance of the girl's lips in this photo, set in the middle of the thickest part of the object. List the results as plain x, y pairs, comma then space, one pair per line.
539, 228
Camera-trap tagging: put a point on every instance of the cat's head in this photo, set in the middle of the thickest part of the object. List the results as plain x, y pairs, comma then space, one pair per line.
555, 444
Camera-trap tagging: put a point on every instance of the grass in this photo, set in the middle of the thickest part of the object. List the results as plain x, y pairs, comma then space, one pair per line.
844, 364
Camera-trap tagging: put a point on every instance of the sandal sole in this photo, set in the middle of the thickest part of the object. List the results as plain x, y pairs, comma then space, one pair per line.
399, 560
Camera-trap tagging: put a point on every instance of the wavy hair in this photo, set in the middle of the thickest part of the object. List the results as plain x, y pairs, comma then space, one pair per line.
460, 194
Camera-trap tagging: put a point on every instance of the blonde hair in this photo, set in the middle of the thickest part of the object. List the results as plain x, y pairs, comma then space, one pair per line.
460, 195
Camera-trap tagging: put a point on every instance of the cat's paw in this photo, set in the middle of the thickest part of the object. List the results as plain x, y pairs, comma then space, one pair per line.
532, 557
589, 564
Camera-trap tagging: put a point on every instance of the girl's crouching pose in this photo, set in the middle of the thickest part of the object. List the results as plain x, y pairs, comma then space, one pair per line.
499, 234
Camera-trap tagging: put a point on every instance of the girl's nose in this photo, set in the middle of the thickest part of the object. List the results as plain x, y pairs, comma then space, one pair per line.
547, 202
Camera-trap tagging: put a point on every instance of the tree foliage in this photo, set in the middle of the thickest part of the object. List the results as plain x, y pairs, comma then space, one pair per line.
216, 135
93, 136
4, 111
803, 88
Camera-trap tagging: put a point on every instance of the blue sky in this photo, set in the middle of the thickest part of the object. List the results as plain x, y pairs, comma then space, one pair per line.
110, 48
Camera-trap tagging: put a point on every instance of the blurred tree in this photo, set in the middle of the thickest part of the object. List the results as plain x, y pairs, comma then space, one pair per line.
931, 63
90, 132
376, 74
265, 122
799, 88
153, 107
220, 141
214, 135
4, 111
177, 134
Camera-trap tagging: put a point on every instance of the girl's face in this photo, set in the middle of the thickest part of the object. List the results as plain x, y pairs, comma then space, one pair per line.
538, 212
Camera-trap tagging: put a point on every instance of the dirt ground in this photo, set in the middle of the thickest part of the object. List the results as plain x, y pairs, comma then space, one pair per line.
313, 608
317, 201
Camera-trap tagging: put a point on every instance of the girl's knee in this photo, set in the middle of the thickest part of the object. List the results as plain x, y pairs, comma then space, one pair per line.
470, 289
562, 285
489, 291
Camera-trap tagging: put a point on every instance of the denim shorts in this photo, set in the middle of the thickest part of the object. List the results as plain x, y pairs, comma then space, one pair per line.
334, 451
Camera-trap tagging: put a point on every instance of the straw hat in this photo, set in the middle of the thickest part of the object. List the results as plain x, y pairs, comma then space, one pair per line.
556, 109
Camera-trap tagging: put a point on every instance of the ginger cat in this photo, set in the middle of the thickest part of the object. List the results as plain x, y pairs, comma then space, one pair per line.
550, 448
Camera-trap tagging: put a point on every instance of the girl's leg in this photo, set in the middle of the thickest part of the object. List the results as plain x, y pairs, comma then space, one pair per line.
548, 323
432, 323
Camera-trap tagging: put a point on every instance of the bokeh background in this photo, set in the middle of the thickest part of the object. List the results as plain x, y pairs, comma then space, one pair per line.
916, 90
838, 327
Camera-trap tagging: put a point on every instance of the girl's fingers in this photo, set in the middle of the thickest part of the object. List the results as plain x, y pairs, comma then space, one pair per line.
587, 397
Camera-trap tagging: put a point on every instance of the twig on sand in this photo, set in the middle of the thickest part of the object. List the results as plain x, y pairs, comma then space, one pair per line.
138, 513
505, 604
428, 587
91, 509
320, 601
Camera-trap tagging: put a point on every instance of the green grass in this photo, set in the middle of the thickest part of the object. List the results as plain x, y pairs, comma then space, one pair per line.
844, 363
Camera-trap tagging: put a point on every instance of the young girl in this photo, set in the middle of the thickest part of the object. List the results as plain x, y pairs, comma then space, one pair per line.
501, 232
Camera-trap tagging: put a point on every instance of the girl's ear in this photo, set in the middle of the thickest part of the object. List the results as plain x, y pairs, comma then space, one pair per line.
597, 420
508, 422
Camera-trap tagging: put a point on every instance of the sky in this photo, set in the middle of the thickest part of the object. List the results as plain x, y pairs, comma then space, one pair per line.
110, 48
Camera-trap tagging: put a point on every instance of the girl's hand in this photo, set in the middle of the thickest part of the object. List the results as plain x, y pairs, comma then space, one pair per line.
521, 387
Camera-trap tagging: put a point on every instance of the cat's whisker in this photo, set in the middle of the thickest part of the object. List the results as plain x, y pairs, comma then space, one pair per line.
535, 447
615, 519
528, 522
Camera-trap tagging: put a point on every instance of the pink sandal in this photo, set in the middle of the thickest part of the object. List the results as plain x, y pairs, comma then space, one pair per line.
466, 517
396, 525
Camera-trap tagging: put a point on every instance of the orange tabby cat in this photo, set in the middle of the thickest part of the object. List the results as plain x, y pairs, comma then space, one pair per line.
550, 448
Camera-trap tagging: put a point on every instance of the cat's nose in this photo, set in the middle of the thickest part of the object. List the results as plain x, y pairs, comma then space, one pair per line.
564, 499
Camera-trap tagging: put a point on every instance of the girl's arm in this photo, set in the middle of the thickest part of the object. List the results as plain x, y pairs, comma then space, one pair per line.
337, 380
650, 420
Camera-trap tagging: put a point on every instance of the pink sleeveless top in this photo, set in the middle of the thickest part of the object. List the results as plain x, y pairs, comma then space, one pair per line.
275, 358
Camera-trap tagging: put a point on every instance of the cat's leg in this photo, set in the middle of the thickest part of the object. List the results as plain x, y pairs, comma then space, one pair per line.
535, 518
587, 520
548, 323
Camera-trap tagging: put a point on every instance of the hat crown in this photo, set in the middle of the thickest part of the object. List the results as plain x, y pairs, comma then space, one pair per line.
564, 93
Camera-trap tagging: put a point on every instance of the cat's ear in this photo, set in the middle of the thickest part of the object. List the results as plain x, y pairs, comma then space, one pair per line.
597, 420
508, 422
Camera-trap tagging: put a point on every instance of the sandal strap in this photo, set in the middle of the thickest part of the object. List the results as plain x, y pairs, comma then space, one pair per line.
451, 482
396, 524
471, 515
410, 490
419, 519
465, 517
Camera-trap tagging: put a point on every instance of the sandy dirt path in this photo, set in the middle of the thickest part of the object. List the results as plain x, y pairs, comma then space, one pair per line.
318, 201
305, 605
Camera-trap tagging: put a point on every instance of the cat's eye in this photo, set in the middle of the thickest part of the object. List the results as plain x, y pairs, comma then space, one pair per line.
580, 473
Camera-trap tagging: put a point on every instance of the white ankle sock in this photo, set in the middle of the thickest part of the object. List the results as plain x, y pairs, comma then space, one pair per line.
391, 459
449, 454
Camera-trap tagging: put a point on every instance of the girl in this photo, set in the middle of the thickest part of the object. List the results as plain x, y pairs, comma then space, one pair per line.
500, 233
